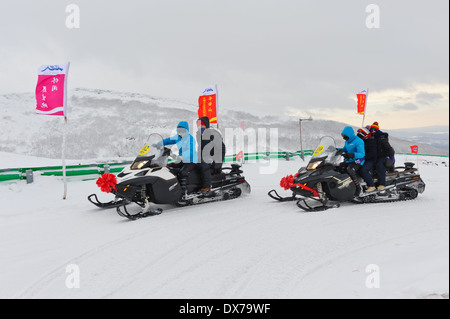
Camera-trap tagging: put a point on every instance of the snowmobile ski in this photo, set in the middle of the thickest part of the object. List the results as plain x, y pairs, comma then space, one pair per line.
112, 204
126, 214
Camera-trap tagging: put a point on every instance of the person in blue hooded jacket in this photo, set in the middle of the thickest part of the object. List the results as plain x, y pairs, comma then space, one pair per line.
354, 154
187, 150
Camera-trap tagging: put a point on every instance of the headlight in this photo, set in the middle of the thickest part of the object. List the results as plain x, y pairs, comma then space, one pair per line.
312, 166
139, 165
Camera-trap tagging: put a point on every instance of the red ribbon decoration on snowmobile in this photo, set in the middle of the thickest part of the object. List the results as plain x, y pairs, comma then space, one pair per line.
107, 182
288, 182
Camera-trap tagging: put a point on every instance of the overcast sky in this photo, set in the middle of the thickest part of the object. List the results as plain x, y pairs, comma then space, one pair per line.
297, 57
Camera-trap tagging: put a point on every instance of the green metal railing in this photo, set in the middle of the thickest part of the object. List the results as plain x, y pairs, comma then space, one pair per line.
99, 169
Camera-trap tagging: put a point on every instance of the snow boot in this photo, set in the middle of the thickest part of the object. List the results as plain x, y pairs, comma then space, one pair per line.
370, 189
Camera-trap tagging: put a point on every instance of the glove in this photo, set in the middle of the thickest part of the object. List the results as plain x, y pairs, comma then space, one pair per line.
393, 160
159, 145
349, 155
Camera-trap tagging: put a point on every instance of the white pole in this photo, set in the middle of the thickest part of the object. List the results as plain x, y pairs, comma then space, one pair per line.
64, 157
217, 106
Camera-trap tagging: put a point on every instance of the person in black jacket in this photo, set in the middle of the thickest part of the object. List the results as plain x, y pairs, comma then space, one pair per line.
211, 152
370, 146
385, 154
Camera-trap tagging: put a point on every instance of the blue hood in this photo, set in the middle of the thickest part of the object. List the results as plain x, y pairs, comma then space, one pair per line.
348, 130
184, 124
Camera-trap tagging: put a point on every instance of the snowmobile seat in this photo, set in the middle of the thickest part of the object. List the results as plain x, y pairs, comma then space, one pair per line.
218, 177
397, 173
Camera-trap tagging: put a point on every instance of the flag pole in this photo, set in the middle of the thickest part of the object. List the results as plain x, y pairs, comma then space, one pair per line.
64, 157
365, 108
65, 133
217, 105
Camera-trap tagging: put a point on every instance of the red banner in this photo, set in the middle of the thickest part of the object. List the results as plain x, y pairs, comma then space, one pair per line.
207, 104
362, 100
240, 155
414, 149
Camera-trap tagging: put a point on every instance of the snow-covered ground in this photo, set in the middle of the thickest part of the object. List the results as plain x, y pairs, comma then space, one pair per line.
251, 247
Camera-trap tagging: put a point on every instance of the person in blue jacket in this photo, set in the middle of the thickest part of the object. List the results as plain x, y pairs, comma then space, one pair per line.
187, 150
354, 154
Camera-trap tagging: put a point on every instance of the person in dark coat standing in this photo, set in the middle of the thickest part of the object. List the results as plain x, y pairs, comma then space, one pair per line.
385, 154
370, 146
211, 152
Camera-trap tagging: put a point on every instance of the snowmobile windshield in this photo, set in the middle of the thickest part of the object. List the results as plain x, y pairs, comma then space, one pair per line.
152, 154
325, 153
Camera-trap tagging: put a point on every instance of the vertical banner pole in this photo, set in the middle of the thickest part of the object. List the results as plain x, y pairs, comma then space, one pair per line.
217, 106
64, 157
302, 154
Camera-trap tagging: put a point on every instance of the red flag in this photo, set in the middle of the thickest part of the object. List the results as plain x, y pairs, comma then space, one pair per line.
207, 104
51, 89
240, 155
243, 125
414, 149
362, 100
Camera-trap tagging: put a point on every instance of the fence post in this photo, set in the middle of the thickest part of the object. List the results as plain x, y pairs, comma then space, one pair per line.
29, 176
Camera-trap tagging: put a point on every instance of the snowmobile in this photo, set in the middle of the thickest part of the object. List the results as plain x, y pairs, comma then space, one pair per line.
151, 180
324, 183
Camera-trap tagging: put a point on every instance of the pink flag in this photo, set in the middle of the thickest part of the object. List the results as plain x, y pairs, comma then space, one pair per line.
51, 98
240, 155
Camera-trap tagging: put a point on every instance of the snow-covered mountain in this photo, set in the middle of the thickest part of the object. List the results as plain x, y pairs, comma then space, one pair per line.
107, 124
437, 136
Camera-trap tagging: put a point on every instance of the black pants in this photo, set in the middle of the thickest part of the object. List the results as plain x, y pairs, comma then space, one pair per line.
205, 172
352, 169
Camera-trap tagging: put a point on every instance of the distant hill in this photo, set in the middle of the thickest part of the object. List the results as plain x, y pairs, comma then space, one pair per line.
437, 136
107, 124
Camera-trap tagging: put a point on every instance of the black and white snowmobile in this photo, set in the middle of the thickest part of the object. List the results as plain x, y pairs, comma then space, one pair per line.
151, 180
326, 183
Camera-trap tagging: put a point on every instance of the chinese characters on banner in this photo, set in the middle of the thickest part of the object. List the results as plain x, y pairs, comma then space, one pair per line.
207, 104
415, 149
362, 100
51, 90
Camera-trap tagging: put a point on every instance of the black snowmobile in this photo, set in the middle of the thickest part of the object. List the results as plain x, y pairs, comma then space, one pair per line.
326, 183
151, 180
